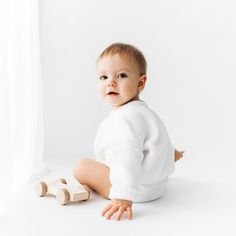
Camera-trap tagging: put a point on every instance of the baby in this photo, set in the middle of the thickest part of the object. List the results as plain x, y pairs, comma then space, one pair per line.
134, 154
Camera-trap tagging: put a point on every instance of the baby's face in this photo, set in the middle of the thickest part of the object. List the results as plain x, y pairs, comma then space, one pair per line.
118, 80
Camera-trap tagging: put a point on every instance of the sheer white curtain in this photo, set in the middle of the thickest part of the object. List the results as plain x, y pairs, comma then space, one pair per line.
21, 111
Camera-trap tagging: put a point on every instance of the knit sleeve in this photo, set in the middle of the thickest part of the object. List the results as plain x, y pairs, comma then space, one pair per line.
124, 153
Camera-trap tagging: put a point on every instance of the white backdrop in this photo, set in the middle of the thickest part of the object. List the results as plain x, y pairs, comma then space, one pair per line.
191, 53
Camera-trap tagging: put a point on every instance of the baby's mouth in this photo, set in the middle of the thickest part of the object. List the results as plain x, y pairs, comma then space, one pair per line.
112, 93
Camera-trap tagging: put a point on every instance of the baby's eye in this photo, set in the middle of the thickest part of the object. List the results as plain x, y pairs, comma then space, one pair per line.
103, 77
122, 75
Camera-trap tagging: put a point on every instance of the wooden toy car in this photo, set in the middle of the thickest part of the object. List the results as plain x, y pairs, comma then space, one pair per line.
64, 193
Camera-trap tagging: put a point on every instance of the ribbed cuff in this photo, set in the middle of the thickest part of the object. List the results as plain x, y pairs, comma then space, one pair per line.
122, 192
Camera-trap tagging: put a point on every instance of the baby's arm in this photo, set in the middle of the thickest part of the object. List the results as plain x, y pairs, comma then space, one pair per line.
124, 155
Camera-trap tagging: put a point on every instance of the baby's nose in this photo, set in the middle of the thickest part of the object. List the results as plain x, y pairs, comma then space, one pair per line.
112, 82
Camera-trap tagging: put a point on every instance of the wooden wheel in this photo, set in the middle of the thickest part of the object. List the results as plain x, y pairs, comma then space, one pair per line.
63, 196
41, 188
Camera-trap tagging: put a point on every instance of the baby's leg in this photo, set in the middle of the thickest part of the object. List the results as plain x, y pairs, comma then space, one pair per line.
93, 174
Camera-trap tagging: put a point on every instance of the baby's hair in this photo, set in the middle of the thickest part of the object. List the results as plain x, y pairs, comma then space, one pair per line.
128, 50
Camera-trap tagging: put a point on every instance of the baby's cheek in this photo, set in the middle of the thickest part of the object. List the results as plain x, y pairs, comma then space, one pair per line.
133, 90
101, 90
129, 89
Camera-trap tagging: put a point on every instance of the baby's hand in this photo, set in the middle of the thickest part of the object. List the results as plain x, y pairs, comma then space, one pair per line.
178, 155
118, 205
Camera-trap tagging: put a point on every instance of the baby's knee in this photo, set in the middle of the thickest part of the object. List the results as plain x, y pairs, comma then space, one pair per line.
80, 169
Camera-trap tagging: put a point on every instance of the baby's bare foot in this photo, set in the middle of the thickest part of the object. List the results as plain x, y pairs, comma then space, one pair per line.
178, 155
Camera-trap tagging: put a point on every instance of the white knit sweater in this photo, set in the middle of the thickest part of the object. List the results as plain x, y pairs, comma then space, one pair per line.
133, 142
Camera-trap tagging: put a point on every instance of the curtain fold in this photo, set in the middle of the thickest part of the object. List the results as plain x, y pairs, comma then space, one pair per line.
21, 101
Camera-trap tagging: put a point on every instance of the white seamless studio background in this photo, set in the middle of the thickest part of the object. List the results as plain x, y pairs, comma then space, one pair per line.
191, 53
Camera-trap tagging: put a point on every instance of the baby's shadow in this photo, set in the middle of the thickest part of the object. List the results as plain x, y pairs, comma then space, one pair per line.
179, 193
188, 191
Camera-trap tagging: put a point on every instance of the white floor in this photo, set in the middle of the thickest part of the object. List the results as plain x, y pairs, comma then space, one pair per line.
199, 200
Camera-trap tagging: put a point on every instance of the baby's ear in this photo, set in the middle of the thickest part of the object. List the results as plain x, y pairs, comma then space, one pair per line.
141, 82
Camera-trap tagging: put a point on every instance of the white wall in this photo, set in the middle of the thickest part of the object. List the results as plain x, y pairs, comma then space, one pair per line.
191, 54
